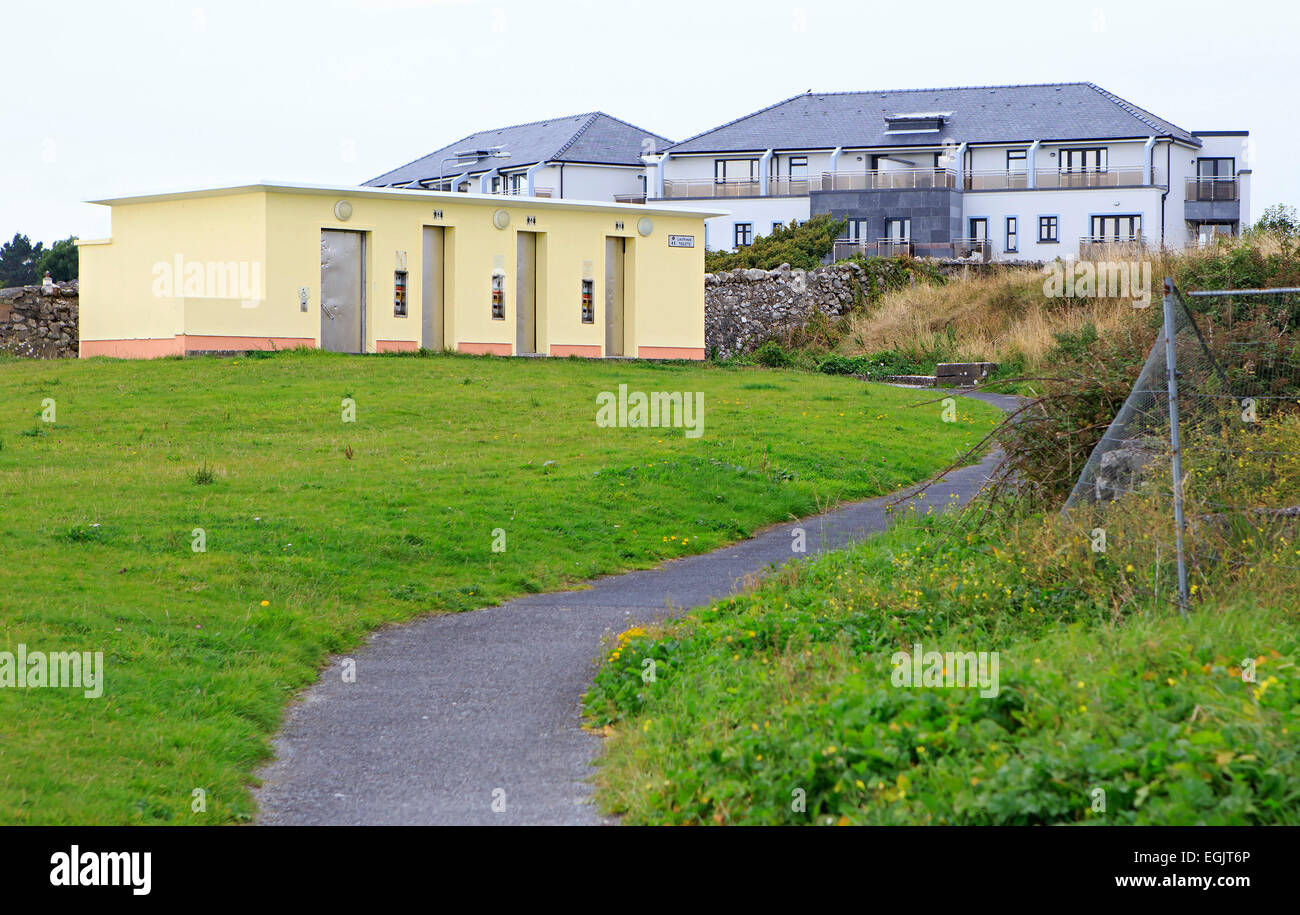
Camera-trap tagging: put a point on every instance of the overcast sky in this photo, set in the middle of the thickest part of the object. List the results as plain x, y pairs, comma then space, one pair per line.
105, 98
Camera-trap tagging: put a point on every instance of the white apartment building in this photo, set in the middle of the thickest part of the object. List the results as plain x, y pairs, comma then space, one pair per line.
589, 156
1028, 172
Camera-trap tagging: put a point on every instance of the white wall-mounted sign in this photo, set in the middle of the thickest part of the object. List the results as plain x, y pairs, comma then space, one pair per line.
681, 241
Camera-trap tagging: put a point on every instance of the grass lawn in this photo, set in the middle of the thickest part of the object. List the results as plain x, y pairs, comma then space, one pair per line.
318, 530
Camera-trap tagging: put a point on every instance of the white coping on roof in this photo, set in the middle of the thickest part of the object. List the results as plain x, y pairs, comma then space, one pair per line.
285, 187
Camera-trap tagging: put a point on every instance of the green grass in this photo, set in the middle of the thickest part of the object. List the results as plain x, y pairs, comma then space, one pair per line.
788, 689
340, 527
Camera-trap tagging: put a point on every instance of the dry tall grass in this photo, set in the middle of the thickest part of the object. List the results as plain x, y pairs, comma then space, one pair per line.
995, 316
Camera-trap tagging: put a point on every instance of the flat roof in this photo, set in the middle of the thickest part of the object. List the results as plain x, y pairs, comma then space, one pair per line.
284, 187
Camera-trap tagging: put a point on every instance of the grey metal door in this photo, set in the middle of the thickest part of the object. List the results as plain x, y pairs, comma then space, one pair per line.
526, 294
614, 325
432, 334
342, 290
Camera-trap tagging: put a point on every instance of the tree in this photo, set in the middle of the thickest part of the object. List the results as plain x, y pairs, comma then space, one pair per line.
1280, 220
60, 259
18, 261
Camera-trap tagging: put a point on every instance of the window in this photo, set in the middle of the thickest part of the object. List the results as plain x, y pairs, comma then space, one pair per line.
776, 225
857, 230
1079, 160
979, 229
1013, 235
1083, 167
1214, 179
1215, 168
1049, 230
898, 229
1127, 227
1017, 160
496, 184
516, 184
744, 234
725, 170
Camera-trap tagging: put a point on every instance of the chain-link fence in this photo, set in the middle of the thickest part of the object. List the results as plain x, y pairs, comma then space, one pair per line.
1202, 461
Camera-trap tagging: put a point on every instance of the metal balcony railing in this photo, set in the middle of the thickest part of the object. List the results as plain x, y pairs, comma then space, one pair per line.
523, 192
1212, 189
1096, 246
786, 186
894, 247
629, 198
1088, 177
996, 180
710, 187
886, 179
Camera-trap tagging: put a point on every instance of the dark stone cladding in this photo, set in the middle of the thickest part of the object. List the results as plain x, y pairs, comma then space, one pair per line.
936, 213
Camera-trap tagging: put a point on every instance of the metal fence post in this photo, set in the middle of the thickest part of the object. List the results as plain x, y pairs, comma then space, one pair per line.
1175, 445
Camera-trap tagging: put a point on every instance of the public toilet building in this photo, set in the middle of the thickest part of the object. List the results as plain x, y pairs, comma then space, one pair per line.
366, 270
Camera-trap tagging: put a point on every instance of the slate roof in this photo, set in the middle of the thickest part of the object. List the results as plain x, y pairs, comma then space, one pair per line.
594, 137
980, 114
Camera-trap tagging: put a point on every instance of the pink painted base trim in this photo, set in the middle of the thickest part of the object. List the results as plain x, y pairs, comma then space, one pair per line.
181, 344
198, 343
147, 348
484, 349
575, 349
670, 352
396, 346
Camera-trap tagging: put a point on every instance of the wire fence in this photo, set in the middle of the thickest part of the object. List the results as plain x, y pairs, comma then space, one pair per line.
1201, 464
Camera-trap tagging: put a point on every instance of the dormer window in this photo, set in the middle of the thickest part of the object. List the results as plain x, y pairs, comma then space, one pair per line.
916, 122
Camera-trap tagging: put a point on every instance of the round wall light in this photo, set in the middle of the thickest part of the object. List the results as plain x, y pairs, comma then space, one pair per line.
500, 219
343, 211
645, 225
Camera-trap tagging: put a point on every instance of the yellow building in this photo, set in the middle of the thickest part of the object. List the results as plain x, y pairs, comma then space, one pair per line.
276, 266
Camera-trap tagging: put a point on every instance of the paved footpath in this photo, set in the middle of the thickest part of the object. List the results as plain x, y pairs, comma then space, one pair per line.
449, 714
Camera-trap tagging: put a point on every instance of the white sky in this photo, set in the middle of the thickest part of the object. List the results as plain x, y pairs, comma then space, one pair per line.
107, 98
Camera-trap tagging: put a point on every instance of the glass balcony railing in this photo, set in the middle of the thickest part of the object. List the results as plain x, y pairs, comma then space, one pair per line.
1212, 189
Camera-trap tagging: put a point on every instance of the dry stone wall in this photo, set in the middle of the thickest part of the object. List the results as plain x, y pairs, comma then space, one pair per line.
744, 308
38, 321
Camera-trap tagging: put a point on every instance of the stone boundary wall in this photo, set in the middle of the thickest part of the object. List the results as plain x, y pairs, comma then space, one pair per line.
39, 322
743, 308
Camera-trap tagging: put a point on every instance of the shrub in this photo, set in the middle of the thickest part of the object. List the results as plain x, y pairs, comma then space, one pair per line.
801, 245
773, 355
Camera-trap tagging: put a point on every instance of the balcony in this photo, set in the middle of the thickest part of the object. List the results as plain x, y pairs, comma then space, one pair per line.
710, 187
996, 180
1212, 190
892, 247
888, 179
787, 186
1212, 200
1089, 177
522, 192
1097, 247
629, 198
